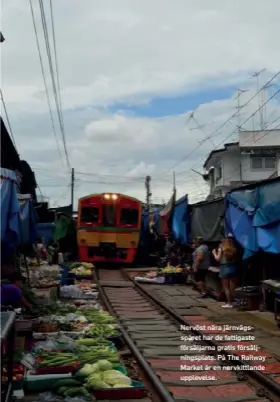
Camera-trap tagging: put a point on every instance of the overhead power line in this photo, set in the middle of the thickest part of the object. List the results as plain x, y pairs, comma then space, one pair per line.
44, 78
59, 112
225, 123
7, 118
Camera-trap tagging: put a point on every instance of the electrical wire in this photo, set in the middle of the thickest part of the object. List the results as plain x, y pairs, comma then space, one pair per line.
56, 61
59, 112
44, 78
230, 118
8, 120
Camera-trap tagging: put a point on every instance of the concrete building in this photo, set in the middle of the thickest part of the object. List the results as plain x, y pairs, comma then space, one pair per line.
255, 157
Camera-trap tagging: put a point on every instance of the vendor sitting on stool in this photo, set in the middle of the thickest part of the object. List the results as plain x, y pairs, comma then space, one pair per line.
11, 293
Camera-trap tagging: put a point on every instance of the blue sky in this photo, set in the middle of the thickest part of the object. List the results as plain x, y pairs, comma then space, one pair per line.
169, 106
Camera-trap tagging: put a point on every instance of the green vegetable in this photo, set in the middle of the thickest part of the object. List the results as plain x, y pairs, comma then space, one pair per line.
113, 377
68, 382
104, 365
74, 391
61, 390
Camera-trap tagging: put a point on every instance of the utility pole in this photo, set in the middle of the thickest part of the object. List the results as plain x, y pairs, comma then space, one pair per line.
72, 189
148, 192
174, 182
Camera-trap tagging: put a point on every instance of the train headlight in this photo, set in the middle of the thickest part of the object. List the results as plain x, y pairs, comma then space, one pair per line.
114, 197
107, 196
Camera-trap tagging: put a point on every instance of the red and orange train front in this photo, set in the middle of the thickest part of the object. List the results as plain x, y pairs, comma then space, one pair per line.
109, 228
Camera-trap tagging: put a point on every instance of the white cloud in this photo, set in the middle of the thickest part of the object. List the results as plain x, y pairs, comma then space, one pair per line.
113, 51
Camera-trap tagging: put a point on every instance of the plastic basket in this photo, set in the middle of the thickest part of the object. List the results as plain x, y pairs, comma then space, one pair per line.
137, 391
68, 368
19, 384
38, 383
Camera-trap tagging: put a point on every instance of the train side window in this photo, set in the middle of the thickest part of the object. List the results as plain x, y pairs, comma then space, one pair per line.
109, 215
90, 214
129, 216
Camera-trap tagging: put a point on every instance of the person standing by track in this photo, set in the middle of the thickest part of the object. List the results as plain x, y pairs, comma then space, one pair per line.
226, 255
201, 264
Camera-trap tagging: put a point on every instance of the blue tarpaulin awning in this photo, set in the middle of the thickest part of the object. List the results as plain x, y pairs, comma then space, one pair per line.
28, 232
9, 211
253, 217
180, 220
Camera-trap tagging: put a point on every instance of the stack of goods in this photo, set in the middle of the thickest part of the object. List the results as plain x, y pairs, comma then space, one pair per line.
80, 291
82, 270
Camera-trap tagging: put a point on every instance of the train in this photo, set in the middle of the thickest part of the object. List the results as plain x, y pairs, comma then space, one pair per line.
109, 228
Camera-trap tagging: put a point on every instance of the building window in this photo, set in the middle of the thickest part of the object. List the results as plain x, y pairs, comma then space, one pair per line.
259, 162
270, 163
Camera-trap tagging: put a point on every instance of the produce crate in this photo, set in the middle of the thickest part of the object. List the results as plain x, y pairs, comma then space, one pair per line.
69, 368
24, 325
49, 294
44, 335
16, 385
38, 383
137, 391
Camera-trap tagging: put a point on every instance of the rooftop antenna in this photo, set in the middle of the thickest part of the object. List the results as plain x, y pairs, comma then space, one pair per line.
260, 96
239, 107
201, 128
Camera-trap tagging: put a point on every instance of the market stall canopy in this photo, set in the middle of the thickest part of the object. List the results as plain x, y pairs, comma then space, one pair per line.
253, 217
10, 209
165, 216
28, 233
206, 220
180, 220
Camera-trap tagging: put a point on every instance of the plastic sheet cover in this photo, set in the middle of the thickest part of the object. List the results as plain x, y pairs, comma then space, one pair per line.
180, 221
206, 220
28, 231
253, 217
9, 208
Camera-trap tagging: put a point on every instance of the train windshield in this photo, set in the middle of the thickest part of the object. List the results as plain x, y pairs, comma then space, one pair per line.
90, 214
129, 216
109, 215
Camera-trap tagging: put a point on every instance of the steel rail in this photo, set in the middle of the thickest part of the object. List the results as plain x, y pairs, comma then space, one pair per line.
261, 378
159, 387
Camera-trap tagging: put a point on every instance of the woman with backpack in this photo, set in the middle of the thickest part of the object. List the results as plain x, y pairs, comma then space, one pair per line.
226, 255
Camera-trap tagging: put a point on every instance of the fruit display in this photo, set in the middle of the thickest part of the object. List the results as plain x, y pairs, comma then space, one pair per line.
18, 373
81, 269
171, 270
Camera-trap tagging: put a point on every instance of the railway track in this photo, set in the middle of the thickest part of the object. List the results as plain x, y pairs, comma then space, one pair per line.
153, 332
